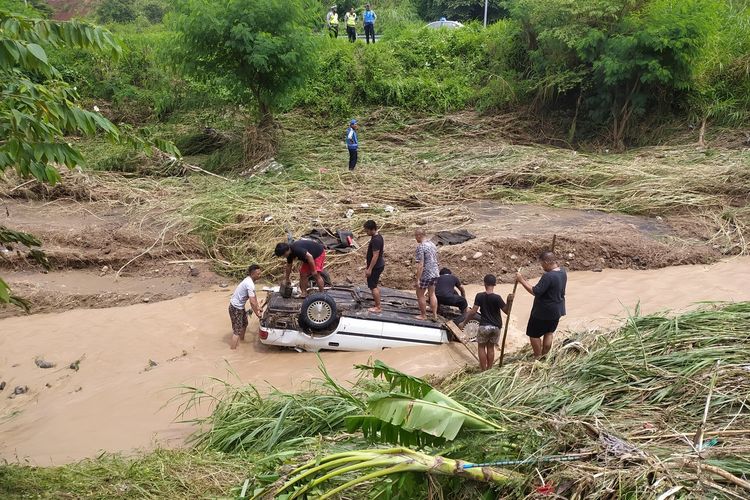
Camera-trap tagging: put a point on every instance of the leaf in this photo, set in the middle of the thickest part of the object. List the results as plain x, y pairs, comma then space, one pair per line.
37, 52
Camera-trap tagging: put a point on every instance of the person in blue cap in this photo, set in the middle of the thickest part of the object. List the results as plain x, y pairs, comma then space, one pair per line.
352, 143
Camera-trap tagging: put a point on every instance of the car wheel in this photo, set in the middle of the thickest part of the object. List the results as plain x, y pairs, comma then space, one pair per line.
318, 312
471, 329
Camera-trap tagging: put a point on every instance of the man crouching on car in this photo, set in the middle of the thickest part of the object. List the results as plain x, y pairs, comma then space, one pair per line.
313, 257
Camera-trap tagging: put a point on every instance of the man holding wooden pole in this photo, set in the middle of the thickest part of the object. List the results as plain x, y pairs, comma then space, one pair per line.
549, 303
489, 304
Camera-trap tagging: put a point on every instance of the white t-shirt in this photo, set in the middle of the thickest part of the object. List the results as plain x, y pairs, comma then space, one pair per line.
242, 293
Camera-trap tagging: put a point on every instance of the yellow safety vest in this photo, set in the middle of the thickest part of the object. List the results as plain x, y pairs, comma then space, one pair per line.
334, 20
351, 19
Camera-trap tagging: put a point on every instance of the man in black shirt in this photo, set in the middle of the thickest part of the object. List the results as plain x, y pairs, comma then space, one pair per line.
375, 263
549, 304
313, 257
489, 304
445, 290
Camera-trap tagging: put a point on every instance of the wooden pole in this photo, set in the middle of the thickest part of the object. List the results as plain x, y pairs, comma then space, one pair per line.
554, 240
507, 321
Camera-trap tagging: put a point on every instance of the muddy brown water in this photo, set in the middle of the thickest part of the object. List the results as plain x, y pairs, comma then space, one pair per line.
113, 403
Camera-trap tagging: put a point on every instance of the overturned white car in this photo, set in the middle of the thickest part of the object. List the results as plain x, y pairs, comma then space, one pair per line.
338, 319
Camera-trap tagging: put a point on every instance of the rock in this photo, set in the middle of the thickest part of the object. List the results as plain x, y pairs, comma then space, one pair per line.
349, 213
2, 385
267, 219
75, 365
571, 255
504, 270
659, 218
389, 209
20, 389
107, 251
477, 255
194, 271
463, 258
514, 257
146, 300
79, 389
597, 269
151, 365
224, 285
349, 280
364, 205
48, 385
105, 269
43, 364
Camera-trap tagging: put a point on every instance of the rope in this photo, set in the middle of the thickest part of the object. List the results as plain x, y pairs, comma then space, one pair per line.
532, 460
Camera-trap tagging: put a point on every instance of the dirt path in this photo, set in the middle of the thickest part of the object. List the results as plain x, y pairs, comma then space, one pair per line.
118, 401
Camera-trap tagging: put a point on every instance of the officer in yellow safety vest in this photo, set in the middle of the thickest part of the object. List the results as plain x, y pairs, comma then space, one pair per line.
332, 21
351, 25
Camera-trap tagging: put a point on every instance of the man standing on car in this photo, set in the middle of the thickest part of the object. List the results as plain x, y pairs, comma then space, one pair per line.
375, 263
313, 257
489, 304
427, 274
369, 19
351, 25
332, 21
245, 292
445, 290
352, 143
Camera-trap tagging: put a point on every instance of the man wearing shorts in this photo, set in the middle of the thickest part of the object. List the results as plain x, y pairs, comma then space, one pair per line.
445, 291
427, 274
549, 304
375, 263
313, 257
489, 304
245, 292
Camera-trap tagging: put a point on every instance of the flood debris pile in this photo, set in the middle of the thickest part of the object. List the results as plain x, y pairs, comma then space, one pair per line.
656, 409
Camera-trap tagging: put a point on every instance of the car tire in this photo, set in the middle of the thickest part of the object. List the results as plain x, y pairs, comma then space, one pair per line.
318, 312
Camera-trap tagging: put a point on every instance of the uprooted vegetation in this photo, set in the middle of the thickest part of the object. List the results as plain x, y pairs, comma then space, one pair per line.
659, 404
430, 171
617, 413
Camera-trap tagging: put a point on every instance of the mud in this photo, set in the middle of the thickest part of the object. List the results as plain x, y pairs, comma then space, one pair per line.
119, 400
512, 236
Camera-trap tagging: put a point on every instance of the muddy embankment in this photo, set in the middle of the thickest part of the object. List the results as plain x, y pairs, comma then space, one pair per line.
133, 359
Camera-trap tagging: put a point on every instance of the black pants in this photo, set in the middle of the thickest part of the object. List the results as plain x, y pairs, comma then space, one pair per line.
370, 32
333, 31
454, 300
352, 159
351, 32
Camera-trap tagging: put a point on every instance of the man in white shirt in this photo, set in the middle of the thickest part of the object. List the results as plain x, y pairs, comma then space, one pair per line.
245, 292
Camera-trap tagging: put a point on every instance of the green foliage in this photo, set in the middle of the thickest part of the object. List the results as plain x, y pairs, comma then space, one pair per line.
154, 12
32, 8
116, 11
461, 10
37, 108
420, 69
266, 46
622, 56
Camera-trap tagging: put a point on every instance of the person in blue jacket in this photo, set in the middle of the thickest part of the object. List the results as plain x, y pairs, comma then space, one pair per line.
352, 143
369, 19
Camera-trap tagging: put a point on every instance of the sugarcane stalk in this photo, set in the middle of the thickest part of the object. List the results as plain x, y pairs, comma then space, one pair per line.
396, 459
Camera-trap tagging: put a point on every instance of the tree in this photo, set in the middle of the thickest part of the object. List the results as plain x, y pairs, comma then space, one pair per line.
116, 11
624, 56
37, 108
154, 12
266, 46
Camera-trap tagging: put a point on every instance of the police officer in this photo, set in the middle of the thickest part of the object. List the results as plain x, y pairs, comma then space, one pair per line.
369, 19
351, 25
332, 21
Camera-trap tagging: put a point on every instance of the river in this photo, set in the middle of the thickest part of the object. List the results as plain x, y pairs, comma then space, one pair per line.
117, 402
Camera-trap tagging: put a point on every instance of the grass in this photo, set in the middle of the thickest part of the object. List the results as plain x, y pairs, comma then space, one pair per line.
429, 169
159, 474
